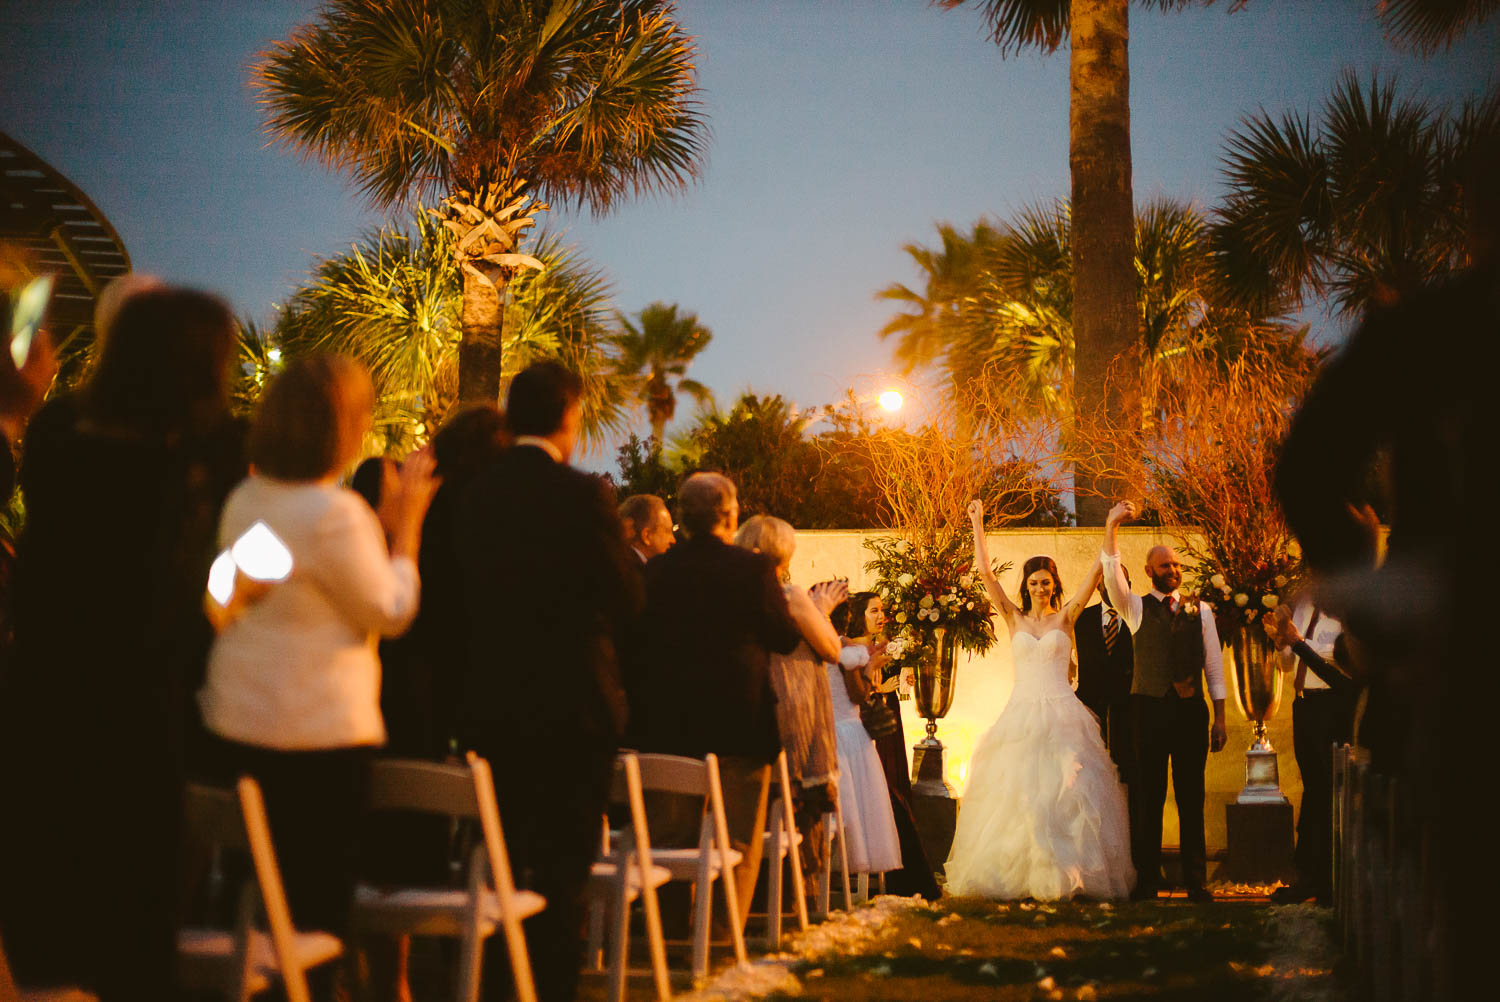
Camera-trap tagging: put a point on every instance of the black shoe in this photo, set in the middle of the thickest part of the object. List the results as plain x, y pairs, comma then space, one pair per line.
1199, 895
1294, 894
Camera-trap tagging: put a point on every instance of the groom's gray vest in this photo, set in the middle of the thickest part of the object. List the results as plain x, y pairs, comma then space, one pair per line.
1168, 648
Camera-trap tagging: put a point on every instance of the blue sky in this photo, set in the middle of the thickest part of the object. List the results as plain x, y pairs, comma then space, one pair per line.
841, 130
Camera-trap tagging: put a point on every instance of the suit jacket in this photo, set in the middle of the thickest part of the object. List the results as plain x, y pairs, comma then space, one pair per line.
1103, 676
714, 613
547, 588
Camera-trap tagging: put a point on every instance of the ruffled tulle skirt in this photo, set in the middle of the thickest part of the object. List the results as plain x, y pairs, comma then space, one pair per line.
1043, 814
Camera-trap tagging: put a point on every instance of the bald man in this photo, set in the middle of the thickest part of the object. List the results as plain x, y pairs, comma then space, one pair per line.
1176, 647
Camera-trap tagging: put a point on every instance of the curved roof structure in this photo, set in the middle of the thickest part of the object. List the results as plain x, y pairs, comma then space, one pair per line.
64, 232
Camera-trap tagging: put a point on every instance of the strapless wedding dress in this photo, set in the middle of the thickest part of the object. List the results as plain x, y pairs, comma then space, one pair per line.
1043, 814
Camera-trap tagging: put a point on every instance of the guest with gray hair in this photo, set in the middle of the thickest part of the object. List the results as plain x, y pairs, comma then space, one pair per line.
648, 525
714, 615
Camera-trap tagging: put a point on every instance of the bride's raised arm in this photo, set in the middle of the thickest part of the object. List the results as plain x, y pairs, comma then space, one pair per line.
1081, 597
998, 598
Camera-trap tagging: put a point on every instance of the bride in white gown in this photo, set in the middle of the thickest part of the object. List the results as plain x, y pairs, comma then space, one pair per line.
1043, 815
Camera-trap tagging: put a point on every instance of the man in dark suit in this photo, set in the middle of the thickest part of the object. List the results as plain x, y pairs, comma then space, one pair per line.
548, 584
714, 613
1106, 661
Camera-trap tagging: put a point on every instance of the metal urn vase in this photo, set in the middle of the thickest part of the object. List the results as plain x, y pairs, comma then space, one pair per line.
1257, 690
934, 697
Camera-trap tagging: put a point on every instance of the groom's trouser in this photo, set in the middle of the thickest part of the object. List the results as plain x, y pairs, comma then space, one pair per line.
1169, 730
1320, 717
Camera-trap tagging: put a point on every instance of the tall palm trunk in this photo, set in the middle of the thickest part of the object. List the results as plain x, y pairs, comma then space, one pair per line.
1106, 370
482, 321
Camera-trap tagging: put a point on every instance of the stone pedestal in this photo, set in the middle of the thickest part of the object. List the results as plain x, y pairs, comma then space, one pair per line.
932, 802
1260, 843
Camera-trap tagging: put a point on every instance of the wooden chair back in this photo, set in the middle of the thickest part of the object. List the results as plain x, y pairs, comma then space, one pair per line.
673, 774
416, 785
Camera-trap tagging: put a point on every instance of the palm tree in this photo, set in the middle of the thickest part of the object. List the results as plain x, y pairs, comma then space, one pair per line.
394, 302
952, 273
581, 102
1363, 206
1098, 33
655, 352
1429, 25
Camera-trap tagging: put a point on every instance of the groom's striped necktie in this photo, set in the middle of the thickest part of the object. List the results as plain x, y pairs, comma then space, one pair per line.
1111, 630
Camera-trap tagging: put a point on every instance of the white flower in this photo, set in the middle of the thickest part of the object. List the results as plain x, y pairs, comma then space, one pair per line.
900, 617
903, 547
1279, 581
905, 580
1250, 616
1241, 599
1270, 601
968, 605
967, 581
945, 599
926, 602
1217, 581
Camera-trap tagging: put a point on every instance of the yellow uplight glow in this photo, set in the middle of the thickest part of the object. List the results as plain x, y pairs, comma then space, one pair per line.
891, 400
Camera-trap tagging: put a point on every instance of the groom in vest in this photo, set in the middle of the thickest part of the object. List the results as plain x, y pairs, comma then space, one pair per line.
1176, 646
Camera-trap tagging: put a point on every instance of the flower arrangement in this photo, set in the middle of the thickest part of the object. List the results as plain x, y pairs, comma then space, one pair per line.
1239, 599
926, 584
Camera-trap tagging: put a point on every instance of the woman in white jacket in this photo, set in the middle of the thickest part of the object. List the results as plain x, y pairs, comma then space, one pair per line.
293, 683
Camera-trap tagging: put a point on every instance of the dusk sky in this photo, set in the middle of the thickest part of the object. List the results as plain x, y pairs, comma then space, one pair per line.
841, 130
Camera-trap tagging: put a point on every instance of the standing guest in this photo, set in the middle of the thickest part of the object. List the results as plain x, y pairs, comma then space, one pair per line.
124, 482
714, 615
1106, 666
804, 708
648, 525
1322, 715
1176, 647
293, 688
548, 585
866, 626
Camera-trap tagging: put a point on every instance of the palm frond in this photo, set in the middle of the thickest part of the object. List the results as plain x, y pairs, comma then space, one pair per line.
1427, 26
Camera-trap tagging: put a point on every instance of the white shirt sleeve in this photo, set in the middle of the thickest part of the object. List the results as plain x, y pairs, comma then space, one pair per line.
854, 657
371, 589
1126, 602
1213, 654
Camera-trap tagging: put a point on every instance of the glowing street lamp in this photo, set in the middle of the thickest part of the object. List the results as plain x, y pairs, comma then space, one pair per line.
891, 401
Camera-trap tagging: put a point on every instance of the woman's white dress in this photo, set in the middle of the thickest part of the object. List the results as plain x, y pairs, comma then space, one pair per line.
869, 826
1043, 815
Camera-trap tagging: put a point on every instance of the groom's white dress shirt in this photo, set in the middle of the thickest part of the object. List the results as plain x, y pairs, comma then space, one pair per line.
1128, 604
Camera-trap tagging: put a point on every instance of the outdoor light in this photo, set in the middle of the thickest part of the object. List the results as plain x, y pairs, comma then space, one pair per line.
891, 400
221, 578
273, 356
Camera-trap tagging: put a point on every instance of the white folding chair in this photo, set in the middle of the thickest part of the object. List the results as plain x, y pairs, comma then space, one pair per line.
713, 858
514, 905
244, 961
623, 873
833, 832
471, 913
783, 841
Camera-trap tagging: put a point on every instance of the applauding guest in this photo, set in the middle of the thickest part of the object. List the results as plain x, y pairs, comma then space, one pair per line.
293, 689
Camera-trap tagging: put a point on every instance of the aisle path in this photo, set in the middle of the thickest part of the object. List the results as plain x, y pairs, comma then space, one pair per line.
968, 949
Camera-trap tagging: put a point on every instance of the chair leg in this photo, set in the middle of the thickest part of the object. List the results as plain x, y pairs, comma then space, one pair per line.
773, 888
619, 947
656, 942
799, 886
594, 959
844, 867
470, 960
702, 916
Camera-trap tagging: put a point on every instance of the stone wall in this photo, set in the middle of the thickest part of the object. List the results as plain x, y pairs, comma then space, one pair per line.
984, 683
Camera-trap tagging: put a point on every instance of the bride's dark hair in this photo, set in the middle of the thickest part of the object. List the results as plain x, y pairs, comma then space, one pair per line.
1031, 567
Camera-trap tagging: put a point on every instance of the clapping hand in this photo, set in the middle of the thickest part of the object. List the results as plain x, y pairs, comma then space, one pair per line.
976, 514
826, 595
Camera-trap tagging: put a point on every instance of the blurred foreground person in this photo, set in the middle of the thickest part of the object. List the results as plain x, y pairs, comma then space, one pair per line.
124, 481
1420, 619
547, 588
293, 687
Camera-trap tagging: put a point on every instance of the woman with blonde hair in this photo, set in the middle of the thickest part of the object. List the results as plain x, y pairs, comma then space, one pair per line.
293, 689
